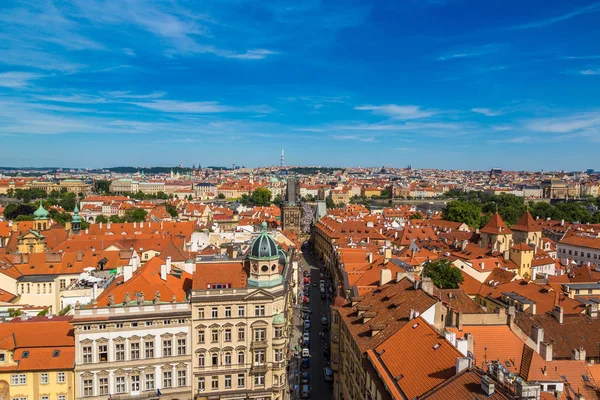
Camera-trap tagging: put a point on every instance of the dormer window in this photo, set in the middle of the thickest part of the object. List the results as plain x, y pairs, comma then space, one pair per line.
25, 354
2, 357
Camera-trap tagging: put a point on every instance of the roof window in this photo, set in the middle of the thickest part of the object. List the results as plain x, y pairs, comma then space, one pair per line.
25, 354
56, 353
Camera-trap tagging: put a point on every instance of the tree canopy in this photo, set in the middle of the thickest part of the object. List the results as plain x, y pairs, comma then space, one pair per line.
443, 274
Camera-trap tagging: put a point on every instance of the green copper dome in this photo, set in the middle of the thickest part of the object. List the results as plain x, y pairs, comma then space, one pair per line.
264, 247
76, 217
41, 212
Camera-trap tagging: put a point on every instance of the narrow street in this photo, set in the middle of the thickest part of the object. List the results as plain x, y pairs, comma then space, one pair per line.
320, 388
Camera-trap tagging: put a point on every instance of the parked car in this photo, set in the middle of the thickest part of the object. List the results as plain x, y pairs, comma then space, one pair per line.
305, 378
306, 339
305, 362
328, 374
307, 324
322, 296
324, 321
322, 290
326, 352
314, 284
305, 352
306, 299
305, 391
306, 280
306, 310
305, 272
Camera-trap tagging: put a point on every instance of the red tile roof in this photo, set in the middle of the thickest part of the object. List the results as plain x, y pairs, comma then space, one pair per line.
496, 226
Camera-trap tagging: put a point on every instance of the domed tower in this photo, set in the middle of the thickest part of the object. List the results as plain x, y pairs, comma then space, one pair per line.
41, 218
76, 220
264, 260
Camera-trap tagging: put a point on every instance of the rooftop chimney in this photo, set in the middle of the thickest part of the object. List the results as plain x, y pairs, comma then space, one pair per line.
169, 265
411, 314
462, 363
546, 350
487, 385
537, 334
163, 272
557, 312
127, 272
385, 276
427, 286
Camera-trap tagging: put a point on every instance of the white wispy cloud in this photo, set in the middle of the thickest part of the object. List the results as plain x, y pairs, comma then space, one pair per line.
401, 112
592, 57
253, 54
198, 107
516, 140
471, 52
17, 79
550, 21
487, 112
567, 124
590, 71
354, 138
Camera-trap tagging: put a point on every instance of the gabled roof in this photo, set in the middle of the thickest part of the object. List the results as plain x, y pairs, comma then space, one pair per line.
526, 224
415, 359
147, 279
496, 226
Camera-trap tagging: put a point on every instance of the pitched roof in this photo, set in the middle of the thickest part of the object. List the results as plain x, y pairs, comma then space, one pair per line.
391, 304
146, 279
466, 385
230, 272
496, 226
526, 224
416, 358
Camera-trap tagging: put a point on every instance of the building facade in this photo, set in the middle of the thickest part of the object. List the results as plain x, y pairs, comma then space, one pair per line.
241, 310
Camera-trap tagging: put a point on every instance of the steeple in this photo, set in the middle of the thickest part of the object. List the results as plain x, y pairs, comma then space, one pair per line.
76, 220
282, 159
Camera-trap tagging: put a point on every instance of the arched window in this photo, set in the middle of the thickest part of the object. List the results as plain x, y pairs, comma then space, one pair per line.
228, 358
201, 360
241, 357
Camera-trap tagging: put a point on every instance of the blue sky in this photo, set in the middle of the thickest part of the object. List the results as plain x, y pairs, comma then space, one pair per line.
440, 84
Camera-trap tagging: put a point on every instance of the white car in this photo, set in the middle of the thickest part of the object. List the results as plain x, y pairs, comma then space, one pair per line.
305, 352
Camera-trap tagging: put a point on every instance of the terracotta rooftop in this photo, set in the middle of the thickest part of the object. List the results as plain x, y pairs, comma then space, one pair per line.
392, 302
496, 226
466, 385
526, 224
227, 272
415, 359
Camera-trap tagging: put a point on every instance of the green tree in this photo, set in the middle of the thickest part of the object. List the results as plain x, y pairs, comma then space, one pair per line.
172, 210
416, 215
101, 219
221, 196
102, 186
386, 194
261, 197
24, 218
14, 312
329, 202
12, 211
115, 219
461, 211
135, 215
443, 274
68, 201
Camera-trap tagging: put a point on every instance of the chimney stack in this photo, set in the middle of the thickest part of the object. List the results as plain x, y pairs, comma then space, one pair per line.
462, 363
385, 276
163, 272
487, 385
169, 265
127, 272
427, 286
411, 314
557, 312
546, 351
537, 333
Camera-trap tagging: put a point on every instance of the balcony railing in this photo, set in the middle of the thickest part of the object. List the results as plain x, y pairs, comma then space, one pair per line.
259, 368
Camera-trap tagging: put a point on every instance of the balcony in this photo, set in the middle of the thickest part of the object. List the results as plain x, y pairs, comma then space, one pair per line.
277, 365
259, 369
259, 344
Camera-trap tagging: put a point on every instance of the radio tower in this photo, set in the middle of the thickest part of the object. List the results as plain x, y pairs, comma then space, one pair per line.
282, 163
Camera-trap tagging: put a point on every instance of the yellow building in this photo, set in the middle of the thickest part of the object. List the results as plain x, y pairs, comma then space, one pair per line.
522, 255
495, 235
34, 241
36, 366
